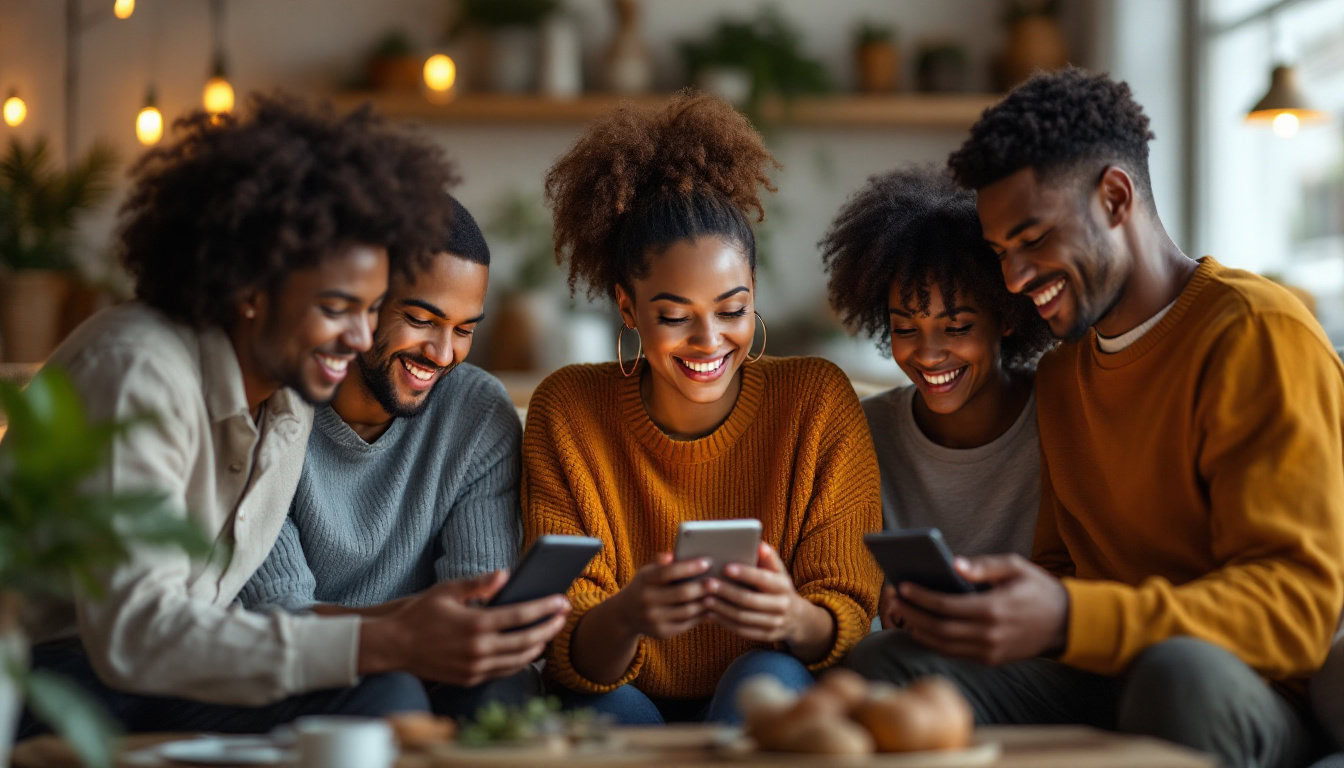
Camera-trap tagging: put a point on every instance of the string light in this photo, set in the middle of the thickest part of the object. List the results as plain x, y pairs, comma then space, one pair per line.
440, 73
14, 110
123, 9
149, 123
218, 93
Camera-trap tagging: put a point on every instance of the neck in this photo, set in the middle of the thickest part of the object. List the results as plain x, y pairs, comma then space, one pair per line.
1159, 274
358, 408
257, 386
986, 416
680, 418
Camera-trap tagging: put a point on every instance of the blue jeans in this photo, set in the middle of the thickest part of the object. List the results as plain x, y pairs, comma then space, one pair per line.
630, 706
374, 696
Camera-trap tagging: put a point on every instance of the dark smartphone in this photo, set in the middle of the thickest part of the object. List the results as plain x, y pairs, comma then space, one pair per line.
551, 564
919, 556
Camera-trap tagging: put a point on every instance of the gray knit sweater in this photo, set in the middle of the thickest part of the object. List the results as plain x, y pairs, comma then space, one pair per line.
435, 497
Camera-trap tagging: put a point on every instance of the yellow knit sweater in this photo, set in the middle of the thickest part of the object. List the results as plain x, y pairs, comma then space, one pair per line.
1193, 483
794, 453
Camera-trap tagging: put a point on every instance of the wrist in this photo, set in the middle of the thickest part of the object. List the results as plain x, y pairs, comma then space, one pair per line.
379, 646
812, 623
614, 613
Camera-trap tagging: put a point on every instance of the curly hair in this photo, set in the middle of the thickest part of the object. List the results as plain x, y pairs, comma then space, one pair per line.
915, 227
1058, 122
638, 181
238, 203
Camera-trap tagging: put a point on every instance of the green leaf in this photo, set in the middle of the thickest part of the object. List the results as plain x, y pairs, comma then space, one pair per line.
74, 716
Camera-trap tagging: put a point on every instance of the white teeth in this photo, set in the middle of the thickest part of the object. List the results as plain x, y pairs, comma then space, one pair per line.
712, 365
941, 378
336, 364
422, 374
1046, 295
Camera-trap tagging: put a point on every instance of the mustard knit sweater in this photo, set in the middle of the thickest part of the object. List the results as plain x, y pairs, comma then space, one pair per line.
1193, 483
794, 453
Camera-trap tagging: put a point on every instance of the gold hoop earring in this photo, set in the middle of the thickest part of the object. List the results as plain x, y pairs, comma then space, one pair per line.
764, 337
620, 360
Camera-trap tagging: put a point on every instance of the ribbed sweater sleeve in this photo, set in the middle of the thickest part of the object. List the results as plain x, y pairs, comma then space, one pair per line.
284, 581
483, 532
831, 566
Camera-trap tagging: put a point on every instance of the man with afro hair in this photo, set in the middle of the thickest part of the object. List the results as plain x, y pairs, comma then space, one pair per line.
260, 246
1185, 578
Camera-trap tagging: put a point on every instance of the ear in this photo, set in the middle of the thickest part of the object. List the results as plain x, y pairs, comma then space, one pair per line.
250, 305
1115, 192
625, 302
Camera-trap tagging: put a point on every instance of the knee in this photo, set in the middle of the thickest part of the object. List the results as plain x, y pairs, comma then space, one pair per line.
1179, 686
893, 656
379, 695
781, 666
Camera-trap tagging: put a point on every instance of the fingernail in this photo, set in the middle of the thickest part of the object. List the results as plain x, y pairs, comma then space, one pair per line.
711, 584
704, 562
962, 563
731, 570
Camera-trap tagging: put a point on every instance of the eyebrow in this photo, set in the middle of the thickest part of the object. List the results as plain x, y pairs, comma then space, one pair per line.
1015, 231
683, 300
342, 295
425, 305
953, 312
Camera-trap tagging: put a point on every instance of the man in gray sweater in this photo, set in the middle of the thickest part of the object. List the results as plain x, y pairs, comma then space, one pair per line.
411, 481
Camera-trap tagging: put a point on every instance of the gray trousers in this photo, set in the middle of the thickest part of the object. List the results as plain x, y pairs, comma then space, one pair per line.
1183, 690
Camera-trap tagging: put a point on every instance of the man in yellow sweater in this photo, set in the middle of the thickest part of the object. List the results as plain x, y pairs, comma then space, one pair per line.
1187, 563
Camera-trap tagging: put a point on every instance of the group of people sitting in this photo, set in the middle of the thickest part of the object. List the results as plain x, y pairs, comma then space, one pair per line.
1155, 512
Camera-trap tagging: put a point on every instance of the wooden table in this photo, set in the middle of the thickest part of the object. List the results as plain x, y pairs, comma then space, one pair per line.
688, 746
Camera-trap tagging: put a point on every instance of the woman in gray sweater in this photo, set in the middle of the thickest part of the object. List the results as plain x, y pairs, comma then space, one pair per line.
957, 448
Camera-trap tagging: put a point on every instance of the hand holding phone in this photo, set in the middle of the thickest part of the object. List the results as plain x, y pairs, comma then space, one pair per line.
550, 565
919, 556
719, 541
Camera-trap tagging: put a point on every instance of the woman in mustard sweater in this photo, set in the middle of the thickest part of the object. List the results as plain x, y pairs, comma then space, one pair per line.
651, 209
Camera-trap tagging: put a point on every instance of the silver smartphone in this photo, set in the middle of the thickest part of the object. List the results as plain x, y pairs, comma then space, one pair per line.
722, 541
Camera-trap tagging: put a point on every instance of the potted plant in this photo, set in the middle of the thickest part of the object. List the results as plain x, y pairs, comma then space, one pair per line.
876, 58
56, 537
39, 207
393, 65
1035, 41
941, 67
511, 30
767, 55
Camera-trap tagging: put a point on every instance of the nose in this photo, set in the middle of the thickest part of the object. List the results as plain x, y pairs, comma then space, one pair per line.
706, 336
359, 334
930, 352
1018, 272
439, 350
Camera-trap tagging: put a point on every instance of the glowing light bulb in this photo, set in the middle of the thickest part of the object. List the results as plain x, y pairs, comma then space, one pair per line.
149, 125
1285, 125
15, 111
218, 95
123, 9
440, 72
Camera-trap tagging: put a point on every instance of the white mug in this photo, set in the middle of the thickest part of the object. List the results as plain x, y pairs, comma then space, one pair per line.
339, 741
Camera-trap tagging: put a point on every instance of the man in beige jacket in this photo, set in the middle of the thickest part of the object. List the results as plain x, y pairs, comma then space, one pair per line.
260, 249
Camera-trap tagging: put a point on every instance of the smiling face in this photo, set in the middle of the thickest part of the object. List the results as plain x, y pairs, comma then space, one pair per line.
950, 353
304, 334
694, 312
424, 330
1053, 248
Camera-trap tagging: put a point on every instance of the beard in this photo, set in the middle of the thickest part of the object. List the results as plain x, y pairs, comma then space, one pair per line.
376, 369
1101, 285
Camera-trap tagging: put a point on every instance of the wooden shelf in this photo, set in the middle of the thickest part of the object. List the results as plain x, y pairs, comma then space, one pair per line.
943, 111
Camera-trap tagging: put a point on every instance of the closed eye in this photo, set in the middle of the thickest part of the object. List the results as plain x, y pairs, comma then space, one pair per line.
416, 322
959, 330
672, 320
739, 313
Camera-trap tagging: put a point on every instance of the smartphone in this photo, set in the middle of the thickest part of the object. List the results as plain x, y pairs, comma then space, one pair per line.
722, 541
919, 556
551, 564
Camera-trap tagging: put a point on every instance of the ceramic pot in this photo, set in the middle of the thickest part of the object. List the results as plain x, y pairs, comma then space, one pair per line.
513, 59
521, 336
1034, 43
732, 84
561, 73
395, 73
32, 306
626, 65
879, 67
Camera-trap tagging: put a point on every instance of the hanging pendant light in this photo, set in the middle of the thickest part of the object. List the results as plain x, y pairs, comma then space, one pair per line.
218, 93
123, 9
149, 123
14, 110
1283, 107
